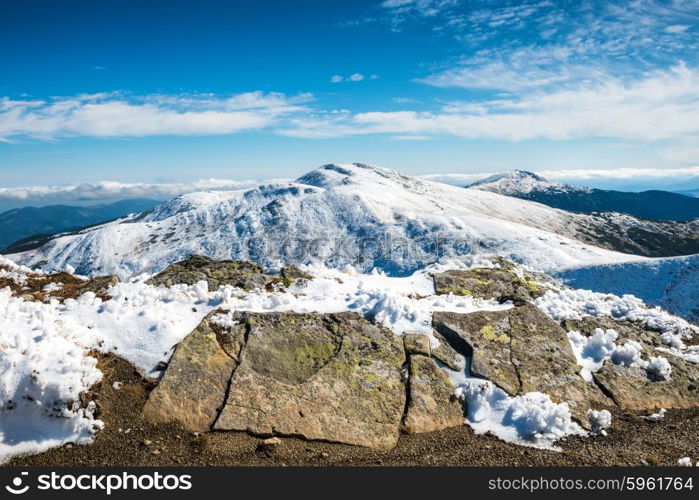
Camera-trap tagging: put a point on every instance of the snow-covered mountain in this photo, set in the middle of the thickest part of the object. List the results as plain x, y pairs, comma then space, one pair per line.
655, 205
521, 182
337, 215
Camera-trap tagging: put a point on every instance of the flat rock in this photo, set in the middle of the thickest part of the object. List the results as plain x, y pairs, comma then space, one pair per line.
631, 388
196, 268
194, 385
488, 283
520, 350
416, 343
432, 405
332, 377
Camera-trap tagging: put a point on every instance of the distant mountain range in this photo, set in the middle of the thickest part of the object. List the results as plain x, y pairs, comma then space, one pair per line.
655, 205
32, 222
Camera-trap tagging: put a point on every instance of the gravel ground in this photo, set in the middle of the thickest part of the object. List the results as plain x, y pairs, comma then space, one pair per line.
129, 440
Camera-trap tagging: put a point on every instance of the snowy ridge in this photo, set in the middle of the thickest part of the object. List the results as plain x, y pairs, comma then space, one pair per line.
337, 215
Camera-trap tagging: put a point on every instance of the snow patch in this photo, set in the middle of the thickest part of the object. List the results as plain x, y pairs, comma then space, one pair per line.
530, 419
599, 421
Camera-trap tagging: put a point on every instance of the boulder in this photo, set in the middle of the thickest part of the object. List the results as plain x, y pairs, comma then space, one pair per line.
193, 388
521, 350
98, 285
332, 377
630, 387
432, 404
216, 273
485, 283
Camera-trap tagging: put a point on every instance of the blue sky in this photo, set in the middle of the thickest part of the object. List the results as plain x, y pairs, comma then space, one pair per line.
174, 91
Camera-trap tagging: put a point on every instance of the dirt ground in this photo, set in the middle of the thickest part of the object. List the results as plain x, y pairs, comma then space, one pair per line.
129, 440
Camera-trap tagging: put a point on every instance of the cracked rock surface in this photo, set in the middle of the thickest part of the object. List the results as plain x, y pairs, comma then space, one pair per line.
194, 386
329, 377
520, 350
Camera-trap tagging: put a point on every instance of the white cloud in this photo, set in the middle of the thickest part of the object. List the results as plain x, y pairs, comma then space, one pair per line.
677, 28
662, 105
354, 77
620, 173
109, 190
428, 8
545, 44
577, 174
116, 115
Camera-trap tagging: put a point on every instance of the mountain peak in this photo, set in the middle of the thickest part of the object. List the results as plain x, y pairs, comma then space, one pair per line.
520, 182
335, 174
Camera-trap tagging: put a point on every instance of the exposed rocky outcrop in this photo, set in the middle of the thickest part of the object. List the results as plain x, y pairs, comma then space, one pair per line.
416, 343
331, 377
631, 388
37, 286
292, 273
216, 273
520, 350
502, 283
446, 354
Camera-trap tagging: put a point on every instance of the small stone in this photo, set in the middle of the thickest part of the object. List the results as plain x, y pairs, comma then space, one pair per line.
155, 452
269, 445
325, 454
146, 442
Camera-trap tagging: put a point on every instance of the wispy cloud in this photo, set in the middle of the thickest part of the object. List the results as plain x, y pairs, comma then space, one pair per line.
354, 77
117, 115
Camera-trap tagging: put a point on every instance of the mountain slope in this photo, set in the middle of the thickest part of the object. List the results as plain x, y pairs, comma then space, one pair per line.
20, 223
655, 205
337, 215
668, 283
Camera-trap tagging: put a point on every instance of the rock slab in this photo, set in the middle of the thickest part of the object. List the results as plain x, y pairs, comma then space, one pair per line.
194, 385
520, 350
329, 377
